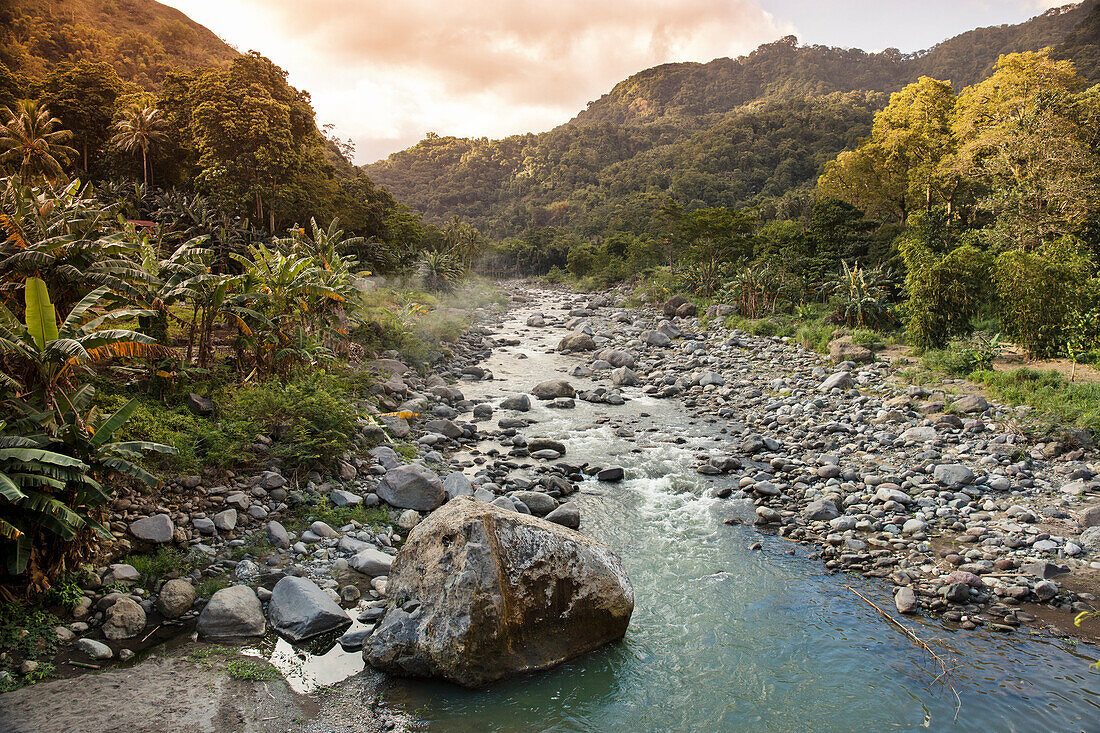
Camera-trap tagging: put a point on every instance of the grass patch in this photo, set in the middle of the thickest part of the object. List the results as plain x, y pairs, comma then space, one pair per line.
165, 560
815, 335
1049, 393
299, 517
211, 585
244, 668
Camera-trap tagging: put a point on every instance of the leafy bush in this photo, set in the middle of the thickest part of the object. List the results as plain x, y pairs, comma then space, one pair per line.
1041, 295
440, 270
310, 419
859, 296
945, 293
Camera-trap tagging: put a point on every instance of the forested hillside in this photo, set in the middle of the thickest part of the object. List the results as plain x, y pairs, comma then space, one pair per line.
732, 132
141, 39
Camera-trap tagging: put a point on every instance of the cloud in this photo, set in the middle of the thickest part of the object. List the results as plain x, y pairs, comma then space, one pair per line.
385, 72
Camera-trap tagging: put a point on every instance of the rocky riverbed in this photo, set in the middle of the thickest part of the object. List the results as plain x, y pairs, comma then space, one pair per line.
941, 495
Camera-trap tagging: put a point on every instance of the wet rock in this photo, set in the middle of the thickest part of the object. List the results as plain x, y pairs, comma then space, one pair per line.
905, 600
412, 487
157, 529
567, 515
613, 474
300, 610
352, 641
232, 612
518, 403
538, 444
539, 503
553, 388
499, 594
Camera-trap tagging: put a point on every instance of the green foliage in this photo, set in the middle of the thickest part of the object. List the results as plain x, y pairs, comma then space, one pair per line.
860, 297
440, 271
309, 419
1040, 295
154, 566
1049, 393
945, 292
251, 669
302, 515
210, 585
27, 633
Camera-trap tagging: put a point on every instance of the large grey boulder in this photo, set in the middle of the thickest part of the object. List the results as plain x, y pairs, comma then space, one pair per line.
617, 358
519, 403
412, 487
500, 593
552, 389
579, 341
157, 529
232, 612
625, 377
300, 610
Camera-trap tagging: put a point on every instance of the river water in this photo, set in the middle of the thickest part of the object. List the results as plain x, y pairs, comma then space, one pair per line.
728, 638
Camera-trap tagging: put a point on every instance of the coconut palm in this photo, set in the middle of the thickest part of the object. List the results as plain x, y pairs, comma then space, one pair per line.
31, 141
140, 129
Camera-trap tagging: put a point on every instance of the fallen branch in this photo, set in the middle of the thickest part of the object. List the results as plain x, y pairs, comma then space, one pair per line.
945, 673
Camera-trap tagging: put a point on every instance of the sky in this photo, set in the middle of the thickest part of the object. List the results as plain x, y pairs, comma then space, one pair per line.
386, 72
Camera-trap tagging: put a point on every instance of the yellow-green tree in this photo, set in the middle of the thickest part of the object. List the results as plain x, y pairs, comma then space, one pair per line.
899, 168
1025, 136
32, 142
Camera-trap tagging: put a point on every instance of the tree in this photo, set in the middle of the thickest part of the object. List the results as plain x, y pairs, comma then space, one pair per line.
83, 96
32, 143
1025, 135
716, 237
140, 129
898, 169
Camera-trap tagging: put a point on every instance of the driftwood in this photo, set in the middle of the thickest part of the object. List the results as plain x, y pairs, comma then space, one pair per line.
945, 673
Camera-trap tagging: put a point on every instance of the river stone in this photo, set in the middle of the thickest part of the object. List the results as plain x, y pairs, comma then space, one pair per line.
672, 305
371, 562
412, 487
624, 376
300, 610
920, 434
518, 403
232, 612
94, 649
971, 403
500, 593
952, 475
226, 520
656, 338
552, 389
277, 534
905, 600
539, 503
124, 620
443, 427
577, 342
611, 475
537, 444
617, 358
820, 510
567, 515
1090, 539
840, 380
176, 597
456, 484
157, 529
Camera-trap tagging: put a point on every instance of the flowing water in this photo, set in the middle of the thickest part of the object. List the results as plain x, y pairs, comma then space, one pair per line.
725, 638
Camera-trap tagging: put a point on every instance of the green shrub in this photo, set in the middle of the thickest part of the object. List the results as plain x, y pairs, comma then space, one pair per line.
816, 336
945, 293
310, 419
1049, 393
1041, 295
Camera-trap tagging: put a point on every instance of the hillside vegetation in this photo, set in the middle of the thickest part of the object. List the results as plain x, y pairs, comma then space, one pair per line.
731, 132
141, 39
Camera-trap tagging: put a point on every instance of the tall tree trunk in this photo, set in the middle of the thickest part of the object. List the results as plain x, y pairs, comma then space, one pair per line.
144, 169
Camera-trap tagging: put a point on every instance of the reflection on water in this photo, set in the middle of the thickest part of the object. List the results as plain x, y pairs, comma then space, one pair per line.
728, 639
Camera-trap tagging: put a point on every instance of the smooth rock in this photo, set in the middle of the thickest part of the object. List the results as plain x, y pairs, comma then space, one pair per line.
300, 610
232, 612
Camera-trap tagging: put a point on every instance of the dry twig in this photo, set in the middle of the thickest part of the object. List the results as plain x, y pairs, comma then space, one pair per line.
945, 674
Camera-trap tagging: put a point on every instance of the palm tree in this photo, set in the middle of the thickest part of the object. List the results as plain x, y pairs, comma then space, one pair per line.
139, 129
30, 138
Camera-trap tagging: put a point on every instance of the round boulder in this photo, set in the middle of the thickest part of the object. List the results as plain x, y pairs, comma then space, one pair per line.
412, 487
496, 593
176, 597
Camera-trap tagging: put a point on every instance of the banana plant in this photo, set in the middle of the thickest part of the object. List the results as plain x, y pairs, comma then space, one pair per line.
47, 353
42, 492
